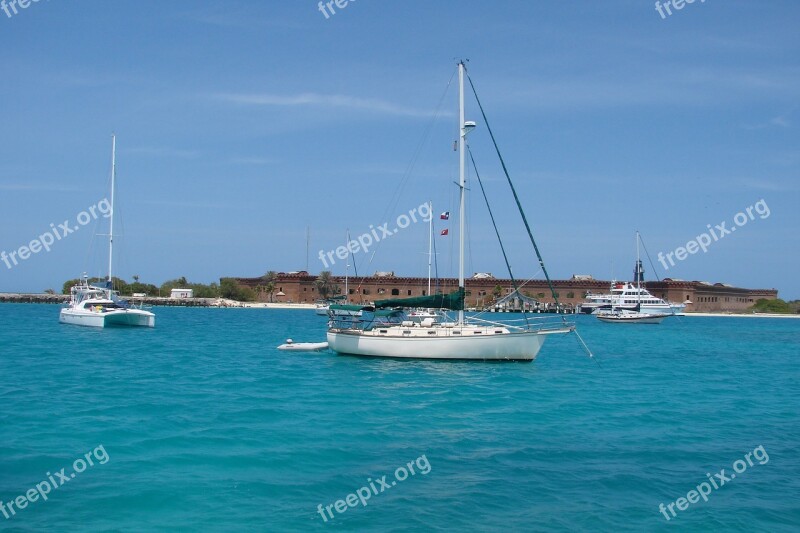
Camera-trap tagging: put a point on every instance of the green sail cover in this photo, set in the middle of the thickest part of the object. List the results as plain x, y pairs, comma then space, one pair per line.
453, 301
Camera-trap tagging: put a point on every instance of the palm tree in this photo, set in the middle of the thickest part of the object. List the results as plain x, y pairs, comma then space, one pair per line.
259, 289
325, 285
270, 277
497, 291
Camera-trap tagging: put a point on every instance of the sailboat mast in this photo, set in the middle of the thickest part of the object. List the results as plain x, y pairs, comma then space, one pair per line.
111, 224
461, 183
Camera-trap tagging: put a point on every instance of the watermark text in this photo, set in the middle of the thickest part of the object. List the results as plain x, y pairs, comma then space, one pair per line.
365, 241
53, 481
9, 7
326, 7
55, 233
423, 466
719, 231
665, 9
717, 481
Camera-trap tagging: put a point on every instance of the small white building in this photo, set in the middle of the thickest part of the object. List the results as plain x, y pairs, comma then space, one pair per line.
182, 293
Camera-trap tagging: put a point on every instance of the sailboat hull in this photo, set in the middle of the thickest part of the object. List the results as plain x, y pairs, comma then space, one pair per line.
632, 318
522, 346
122, 318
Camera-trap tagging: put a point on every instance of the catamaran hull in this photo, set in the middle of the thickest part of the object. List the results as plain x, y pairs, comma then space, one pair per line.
127, 317
522, 346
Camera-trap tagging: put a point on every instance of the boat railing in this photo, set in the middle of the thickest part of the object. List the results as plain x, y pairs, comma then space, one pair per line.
521, 324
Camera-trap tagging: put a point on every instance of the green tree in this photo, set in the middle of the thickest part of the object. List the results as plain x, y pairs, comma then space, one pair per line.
325, 285
270, 278
77, 281
146, 288
230, 289
179, 283
771, 306
497, 291
204, 291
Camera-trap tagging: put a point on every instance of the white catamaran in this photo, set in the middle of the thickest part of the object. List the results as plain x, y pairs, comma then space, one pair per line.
385, 330
101, 307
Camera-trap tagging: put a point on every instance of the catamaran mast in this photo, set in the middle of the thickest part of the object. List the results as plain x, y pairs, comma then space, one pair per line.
461, 183
111, 226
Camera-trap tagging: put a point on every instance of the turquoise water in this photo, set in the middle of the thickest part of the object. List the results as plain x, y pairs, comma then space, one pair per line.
205, 426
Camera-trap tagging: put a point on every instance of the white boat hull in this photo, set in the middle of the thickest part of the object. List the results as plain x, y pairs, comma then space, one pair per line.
122, 317
642, 318
521, 346
304, 346
648, 309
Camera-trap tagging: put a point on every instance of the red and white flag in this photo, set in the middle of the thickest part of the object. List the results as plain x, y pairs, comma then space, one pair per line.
445, 231
445, 215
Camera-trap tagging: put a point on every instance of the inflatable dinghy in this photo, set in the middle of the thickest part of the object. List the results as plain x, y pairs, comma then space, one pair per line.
303, 346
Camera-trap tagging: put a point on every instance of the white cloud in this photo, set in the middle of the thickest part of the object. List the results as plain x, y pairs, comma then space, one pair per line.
162, 151
323, 100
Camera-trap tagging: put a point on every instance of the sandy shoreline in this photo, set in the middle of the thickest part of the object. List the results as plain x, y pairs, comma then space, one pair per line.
233, 304
277, 305
751, 315
18, 297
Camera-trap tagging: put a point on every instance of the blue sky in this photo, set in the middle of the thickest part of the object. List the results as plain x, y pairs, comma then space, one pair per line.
241, 124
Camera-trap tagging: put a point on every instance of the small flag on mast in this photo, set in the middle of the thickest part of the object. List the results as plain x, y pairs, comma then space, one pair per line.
445, 231
445, 215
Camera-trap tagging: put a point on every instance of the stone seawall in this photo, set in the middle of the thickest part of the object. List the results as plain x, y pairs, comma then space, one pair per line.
64, 298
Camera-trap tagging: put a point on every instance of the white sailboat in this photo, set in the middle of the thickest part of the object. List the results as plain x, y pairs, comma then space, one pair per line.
635, 315
385, 332
101, 307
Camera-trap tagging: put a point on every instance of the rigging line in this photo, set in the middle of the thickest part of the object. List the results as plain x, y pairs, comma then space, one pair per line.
586, 348
648, 257
435, 263
496, 231
394, 199
655, 272
516, 198
469, 262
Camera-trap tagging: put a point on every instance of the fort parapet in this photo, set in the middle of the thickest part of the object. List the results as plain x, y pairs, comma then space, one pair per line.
300, 287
